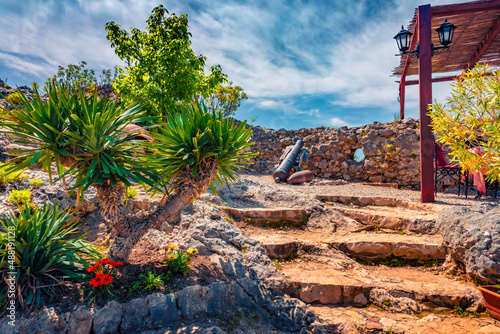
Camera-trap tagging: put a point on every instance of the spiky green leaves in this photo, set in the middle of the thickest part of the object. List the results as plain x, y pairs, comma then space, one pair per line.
44, 250
82, 133
191, 138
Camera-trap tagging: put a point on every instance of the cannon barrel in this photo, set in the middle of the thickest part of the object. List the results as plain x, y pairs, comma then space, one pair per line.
281, 173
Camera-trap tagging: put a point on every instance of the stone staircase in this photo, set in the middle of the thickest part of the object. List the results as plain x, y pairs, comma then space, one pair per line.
378, 273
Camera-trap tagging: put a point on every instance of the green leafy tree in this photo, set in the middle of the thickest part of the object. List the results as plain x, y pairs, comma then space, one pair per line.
74, 75
471, 119
162, 69
80, 76
227, 98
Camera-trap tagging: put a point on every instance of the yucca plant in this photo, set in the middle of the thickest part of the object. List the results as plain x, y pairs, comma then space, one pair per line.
195, 149
46, 254
85, 135
41, 122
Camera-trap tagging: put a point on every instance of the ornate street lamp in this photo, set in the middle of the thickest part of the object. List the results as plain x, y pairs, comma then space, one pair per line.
445, 32
403, 38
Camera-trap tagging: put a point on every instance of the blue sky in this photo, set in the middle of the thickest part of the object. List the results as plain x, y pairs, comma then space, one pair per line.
302, 63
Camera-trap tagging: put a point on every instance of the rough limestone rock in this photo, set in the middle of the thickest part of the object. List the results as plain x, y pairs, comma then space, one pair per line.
163, 309
472, 238
107, 320
383, 299
80, 321
135, 313
254, 278
4, 143
251, 284
48, 321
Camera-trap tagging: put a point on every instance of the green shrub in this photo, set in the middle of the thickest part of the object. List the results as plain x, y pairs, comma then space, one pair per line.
45, 253
131, 192
470, 118
36, 183
150, 281
178, 260
20, 197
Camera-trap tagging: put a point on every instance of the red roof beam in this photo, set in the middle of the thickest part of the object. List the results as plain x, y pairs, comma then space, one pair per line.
485, 44
413, 43
402, 85
470, 7
440, 79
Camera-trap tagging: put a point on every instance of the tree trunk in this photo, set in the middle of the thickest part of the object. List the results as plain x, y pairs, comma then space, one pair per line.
187, 188
112, 204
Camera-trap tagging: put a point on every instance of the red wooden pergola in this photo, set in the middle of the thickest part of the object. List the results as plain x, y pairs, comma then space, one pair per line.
476, 40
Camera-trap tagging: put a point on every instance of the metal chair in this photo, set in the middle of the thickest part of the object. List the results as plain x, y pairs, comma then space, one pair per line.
443, 169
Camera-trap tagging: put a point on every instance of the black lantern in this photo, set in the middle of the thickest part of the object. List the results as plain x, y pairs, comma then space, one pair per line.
403, 38
445, 32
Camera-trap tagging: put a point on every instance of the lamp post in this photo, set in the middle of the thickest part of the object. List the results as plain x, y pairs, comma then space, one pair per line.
445, 33
424, 51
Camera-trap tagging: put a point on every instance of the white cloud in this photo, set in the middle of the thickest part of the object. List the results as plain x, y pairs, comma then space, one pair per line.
286, 107
21, 65
336, 121
276, 51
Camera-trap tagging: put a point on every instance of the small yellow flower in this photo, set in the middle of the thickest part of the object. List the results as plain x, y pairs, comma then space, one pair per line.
171, 247
192, 251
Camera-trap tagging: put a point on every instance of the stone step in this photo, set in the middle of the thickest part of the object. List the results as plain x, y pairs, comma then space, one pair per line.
280, 247
363, 246
270, 217
398, 219
379, 201
371, 319
399, 289
377, 245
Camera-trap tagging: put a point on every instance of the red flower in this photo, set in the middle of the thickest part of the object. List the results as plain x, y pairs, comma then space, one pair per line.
95, 282
114, 264
106, 279
91, 269
103, 261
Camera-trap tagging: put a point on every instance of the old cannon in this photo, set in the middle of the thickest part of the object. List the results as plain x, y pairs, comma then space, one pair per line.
291, 157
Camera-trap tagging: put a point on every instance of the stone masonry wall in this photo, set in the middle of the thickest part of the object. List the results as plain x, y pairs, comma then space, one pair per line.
391, 151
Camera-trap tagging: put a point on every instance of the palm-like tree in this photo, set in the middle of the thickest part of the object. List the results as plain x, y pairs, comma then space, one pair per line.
85, 135
195, 149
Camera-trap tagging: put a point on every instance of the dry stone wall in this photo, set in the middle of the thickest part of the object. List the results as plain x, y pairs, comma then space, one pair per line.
391, 151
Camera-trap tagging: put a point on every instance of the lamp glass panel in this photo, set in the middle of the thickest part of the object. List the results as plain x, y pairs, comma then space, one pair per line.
446, 35
398, 40
404, 40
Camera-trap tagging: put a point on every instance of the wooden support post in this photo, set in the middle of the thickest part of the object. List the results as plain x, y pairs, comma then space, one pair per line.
402, 87
425, 89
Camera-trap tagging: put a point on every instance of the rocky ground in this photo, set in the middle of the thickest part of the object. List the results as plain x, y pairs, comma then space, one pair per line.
324, 257
370, 259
